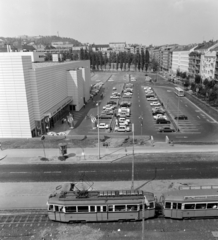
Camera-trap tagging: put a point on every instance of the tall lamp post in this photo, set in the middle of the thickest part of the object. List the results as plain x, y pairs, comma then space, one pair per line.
133, 157
99, 157
141, 122
178, 114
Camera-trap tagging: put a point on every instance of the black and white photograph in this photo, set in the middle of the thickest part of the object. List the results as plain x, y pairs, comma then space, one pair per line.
108, 119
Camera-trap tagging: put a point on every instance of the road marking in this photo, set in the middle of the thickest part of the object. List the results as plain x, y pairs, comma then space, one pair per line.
202, 110
18, 172
198, 117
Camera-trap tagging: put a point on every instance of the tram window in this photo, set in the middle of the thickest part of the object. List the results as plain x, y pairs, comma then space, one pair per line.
212, 205
151, 205
174, 205
119, 208
189, 206
83, 208
50, 207
92, 208
179, 205
201, 206
56, 209
71, 209
110, 208
103, 208
132, 207
98, 208
168, 205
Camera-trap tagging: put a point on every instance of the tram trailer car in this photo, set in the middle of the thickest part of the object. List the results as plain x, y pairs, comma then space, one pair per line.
190, 202
94, 206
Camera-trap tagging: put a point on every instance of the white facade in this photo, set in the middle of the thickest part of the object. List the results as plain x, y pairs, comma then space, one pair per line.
208, 63
180, 60
30, 91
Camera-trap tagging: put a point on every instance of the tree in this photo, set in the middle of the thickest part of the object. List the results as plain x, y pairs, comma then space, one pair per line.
142, 59
117, 61
105, 60
154, 65
81, 55
198, 79
147, 59
186, 83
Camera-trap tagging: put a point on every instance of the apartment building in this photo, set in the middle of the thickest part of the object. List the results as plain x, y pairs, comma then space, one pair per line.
34, 95
180, 58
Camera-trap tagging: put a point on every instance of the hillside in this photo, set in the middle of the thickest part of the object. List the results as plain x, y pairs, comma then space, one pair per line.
45, 40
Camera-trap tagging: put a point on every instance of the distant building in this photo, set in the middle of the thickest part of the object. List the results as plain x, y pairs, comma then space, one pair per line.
117, 46
180, 58
197, 59
34, 96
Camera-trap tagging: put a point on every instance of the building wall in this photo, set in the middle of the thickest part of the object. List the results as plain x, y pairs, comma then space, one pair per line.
208, 63
29, 90
75, 87
15, 104
180, 60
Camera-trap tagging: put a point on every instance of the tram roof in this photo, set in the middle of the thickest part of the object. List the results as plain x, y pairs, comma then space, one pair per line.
192, 195
102, 195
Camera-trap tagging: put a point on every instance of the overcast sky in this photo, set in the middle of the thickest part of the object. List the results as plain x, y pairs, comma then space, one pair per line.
145, 22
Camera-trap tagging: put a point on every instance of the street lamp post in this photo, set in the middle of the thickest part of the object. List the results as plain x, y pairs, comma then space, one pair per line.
178, 115
133, 157
98, 103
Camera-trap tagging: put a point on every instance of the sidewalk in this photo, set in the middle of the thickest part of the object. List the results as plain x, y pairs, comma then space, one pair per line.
74, 155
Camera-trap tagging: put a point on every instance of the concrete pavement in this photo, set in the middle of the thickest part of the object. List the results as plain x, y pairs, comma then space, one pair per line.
107, 154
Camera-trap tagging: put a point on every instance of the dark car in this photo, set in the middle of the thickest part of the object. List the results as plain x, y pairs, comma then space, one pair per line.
158, 112
181, 117
162, 121
112, 102
166, 129
104, 116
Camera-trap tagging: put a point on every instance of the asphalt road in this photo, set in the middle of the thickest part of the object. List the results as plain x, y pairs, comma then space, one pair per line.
108, 171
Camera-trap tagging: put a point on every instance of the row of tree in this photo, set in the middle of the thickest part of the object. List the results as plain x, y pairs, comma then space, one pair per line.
113, 60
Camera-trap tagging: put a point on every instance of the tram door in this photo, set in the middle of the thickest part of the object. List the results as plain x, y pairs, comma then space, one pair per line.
101, 213
176, 210
57, 213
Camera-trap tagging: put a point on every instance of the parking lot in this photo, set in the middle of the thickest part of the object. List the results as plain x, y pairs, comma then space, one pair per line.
152, 106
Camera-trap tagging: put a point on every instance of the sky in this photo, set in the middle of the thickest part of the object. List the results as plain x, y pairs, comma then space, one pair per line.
146, 22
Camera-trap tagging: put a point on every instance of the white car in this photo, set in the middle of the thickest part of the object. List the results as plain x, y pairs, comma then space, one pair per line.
52, 134
62, 134
114, 88
152, 99
155, 104
107, 106
122, 129
114, 97
157, 108
159, 116
103, 125
147, 88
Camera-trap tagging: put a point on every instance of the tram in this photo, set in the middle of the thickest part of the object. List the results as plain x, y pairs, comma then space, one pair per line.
191, 202
72, 205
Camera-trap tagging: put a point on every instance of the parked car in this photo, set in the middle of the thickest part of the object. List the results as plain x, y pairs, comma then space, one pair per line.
166, 129
114, 88
181, 117
111, 112
114, 97
158, 112
122, 129
124, 120
158, 116
107, 106
152, 99
155, 104
52, 134
162, 121
112, 103
157, 108
102, 125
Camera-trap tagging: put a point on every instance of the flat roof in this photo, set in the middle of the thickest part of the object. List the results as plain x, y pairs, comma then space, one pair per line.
50, 64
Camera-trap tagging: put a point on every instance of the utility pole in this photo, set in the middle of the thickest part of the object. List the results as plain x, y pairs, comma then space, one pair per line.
133, 157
